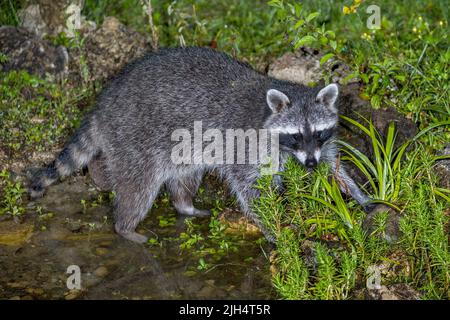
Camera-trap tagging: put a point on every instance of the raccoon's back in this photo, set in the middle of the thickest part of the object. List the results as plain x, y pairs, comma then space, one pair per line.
186, 84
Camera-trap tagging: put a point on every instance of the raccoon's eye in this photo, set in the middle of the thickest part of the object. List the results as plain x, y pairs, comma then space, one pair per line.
290, 141
325, 134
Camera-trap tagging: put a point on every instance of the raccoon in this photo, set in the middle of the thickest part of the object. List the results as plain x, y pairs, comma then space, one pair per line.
129, 131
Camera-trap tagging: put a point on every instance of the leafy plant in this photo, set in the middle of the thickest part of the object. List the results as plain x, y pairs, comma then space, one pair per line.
11, 202
384, 172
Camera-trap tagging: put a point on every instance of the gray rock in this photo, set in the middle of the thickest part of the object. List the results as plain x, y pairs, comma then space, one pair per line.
303, 66
443, 169
399, 291
107, 50
31, 20
392, 229
26, 51
47, 17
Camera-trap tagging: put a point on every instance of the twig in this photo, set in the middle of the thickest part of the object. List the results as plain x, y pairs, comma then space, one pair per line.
147, 4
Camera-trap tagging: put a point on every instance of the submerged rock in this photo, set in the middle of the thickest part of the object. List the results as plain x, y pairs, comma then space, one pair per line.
237, 223
15, 234
73, 294
101, 272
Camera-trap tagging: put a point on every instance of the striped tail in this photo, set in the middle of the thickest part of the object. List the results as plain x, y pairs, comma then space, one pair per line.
75, 155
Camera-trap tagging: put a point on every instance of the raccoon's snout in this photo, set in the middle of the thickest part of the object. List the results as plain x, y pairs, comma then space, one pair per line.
310, 163
306, 159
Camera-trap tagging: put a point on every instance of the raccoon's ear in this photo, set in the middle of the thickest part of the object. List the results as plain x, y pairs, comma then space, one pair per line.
277, 100
327, 96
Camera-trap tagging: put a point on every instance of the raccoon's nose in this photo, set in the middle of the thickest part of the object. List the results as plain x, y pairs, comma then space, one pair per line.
310, 163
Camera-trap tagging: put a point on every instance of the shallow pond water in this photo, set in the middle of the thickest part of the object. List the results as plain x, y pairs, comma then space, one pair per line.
72, 225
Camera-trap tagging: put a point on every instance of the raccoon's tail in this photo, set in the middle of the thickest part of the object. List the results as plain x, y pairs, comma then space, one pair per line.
76, 154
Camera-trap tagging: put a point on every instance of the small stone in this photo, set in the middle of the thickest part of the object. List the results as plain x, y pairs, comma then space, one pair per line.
72, 294
190, 273
231, 287
206, 292
210, 282
35, 291
17, 285
101, 251
105, 243
101, 272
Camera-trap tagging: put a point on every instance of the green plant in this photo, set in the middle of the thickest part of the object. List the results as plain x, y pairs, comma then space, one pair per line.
11, 202
35, 114
202, 265
425, 230
312, 209
3, 58
383, 173
301, 27
9, 12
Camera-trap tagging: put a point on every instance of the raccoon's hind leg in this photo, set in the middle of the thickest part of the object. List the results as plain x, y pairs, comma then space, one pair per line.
181, 192
98, 172
132, 203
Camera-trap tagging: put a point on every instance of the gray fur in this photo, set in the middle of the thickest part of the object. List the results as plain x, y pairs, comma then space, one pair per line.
130, 130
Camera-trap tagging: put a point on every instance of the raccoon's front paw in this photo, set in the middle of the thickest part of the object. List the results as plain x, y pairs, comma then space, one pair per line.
270, 238
391, 230
201, 213
193, 212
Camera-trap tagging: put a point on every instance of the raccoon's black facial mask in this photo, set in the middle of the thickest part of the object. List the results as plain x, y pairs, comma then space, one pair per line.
306, 147
298, 141
290, 141
324, 135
